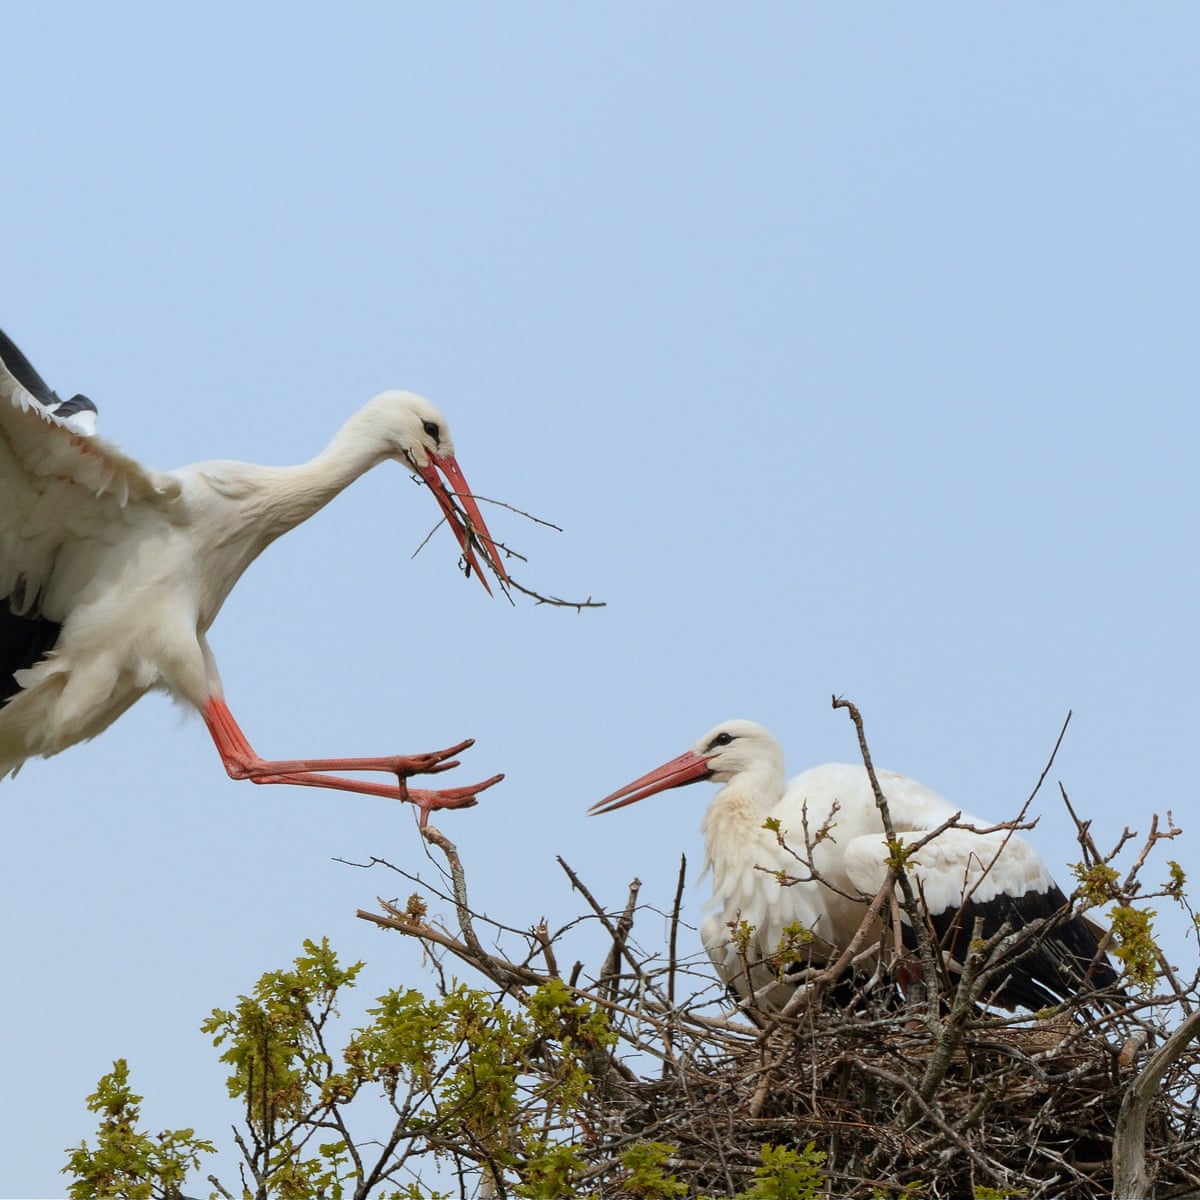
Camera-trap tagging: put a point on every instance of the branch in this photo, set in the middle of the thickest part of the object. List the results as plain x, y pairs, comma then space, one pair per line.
1132, 1179
896, 871
498, 969
555, 601
673, 937
217, 1184
519, 511
1037, 787
610, 973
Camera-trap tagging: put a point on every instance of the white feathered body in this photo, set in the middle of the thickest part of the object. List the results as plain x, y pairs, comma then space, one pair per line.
815, 875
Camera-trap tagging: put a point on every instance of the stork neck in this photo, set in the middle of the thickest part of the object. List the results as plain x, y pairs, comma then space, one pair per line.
299, 492
757, 786
249, 506
736, 815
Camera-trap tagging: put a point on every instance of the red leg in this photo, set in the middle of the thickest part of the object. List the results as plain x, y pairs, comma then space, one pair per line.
241, 762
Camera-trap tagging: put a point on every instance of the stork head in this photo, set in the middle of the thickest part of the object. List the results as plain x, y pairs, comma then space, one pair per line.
416, 434
731, 750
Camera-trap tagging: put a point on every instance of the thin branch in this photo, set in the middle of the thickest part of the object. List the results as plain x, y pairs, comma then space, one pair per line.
673, 936
555, 601
1037, 787
896, 871
610, 972
519, 511
461, 904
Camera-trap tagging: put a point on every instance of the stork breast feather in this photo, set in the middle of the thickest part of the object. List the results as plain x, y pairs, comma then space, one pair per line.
753, 891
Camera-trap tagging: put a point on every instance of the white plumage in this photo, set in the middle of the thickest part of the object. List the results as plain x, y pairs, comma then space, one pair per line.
111, 573
834, 849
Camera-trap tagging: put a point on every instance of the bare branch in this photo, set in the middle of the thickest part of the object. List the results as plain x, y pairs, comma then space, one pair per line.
520, 512
896, 872
1134, 1177
578, 605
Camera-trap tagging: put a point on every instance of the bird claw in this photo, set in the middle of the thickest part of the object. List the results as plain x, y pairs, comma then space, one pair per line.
460, 797
431, 763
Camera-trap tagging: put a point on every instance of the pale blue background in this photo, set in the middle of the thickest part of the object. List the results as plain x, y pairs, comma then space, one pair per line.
854, 349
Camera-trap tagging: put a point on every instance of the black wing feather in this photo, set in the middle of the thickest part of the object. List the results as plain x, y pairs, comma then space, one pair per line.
23, 370
24, 640
26, 375
1060, 960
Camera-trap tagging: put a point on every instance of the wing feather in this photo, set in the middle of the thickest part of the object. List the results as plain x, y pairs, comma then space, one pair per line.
957, 863
58, 484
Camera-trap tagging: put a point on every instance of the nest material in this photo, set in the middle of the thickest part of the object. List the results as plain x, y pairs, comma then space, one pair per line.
1026, 1110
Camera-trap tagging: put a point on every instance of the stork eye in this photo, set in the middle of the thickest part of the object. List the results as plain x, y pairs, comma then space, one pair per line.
432, 430
722, 739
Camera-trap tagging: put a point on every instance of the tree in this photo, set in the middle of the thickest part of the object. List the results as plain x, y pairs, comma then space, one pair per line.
637, 1079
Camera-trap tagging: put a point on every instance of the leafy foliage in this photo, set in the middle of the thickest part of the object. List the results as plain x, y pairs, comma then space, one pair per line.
787, 1174
125, 1161
462, 1067
645, 1174
1136, 947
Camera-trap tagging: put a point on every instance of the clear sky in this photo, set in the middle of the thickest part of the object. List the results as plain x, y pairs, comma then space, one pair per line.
854, 348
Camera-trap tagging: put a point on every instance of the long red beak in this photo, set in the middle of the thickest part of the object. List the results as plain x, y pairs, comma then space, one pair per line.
687, 768
467, 523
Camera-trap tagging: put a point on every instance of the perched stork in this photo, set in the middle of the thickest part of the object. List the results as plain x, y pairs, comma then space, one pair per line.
834, 847
111, 573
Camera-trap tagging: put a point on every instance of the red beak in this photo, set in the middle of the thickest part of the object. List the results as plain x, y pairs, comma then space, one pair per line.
468, 524
687, 768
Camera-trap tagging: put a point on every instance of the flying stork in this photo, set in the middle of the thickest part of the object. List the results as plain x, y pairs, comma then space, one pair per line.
112, 573
834, 848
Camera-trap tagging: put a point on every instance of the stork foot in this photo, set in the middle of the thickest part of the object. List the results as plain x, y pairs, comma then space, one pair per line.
461, 797
429, 764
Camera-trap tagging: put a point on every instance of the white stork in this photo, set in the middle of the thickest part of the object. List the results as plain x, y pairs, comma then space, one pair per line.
836, 850
111, 573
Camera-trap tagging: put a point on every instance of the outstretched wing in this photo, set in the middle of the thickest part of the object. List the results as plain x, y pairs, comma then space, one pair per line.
59, 484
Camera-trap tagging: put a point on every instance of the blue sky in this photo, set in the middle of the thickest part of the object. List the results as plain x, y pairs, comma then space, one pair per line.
854, 349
